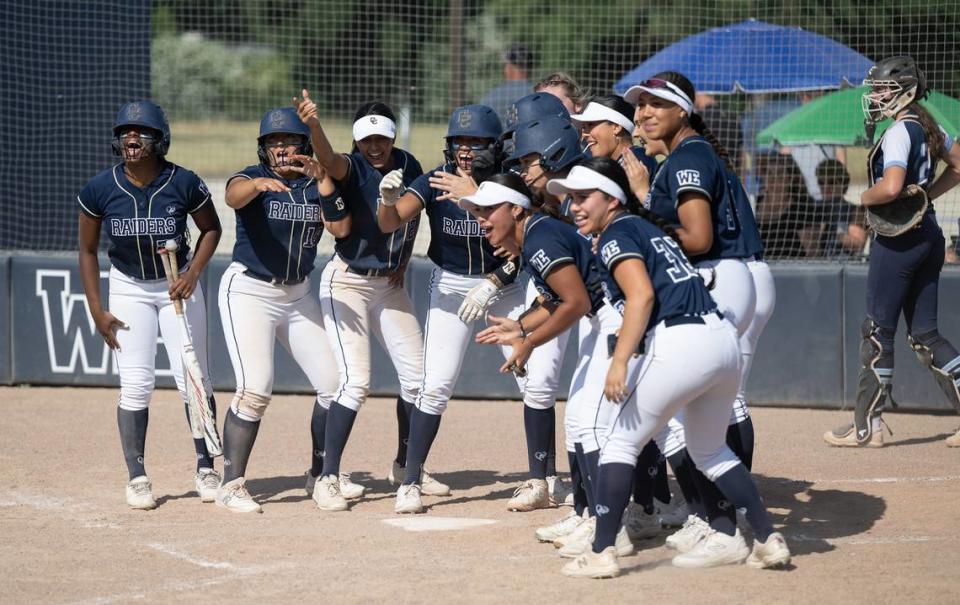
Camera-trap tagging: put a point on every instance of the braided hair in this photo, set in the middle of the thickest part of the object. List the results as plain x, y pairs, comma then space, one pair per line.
695, 119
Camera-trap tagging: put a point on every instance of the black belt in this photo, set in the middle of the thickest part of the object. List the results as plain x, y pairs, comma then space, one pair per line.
270, 279
681, 320
370, 272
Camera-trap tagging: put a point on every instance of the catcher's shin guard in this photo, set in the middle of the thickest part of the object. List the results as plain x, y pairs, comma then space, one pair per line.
936, 352
875, 381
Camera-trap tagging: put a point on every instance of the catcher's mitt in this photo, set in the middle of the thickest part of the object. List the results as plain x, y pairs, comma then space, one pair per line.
900, 215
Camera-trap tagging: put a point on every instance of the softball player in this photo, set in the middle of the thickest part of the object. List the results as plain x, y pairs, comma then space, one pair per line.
361, 288
265, 293
696, 189
565, 274
144, 201
905, 269
670, 319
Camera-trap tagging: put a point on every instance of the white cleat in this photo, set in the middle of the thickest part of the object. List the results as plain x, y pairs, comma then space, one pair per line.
561, 528
772, 553
640, 524
693, 530
532, 494
584, 528
234, 497
207, 482
349, 489
593, 565
428, 485
573, 549
140, 494
326, 494
560, 492
714, 550
408, 500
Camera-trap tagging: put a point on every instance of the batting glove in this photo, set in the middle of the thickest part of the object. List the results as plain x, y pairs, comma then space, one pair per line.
391, 187
476, 301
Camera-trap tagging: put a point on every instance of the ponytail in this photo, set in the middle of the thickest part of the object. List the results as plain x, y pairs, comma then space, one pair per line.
932, 134
697, 123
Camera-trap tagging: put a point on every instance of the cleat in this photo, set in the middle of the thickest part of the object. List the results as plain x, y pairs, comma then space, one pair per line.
846, 436
207, 482
675, 513
234, 497
693, 530
560, 492
714, 550
408, 500
593, 565
562, 527
772, 553
640, 524
531, 495
140, 494
326, 494
428, 485
575, 548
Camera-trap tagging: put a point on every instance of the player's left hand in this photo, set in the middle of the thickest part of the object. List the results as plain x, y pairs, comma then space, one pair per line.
476, 301
309, 166
517, 362
184, 286
637, 174
501, 331
615, 387
453, 186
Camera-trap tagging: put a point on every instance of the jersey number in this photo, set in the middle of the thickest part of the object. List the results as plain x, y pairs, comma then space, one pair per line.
680, 268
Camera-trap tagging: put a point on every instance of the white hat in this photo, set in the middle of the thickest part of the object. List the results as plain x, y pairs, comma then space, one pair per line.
582, 178
491, 194
368, 126
595, 112
663, 90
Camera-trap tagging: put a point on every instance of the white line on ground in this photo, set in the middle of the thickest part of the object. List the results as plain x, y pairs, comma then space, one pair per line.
890, 479
856, 540
65, 508
176, 554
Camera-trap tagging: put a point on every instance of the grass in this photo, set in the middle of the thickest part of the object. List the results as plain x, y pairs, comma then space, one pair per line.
217, 149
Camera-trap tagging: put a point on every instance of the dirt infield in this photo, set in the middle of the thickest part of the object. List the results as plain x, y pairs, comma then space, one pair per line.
864, 525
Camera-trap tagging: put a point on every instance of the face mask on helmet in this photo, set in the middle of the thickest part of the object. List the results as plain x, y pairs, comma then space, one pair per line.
885, 99
452, 148
275, 151
133, 143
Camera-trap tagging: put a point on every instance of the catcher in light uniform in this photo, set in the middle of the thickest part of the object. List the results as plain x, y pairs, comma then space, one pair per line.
265, 293
689, 358
904, 269
458, 283
361, 289
144, 201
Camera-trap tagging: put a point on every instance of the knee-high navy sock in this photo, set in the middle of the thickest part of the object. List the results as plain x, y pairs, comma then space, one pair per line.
585, 478
204, 459
738, 486
552, 449
740, 440
340, 421
576, 483
239, 436
644, 476
423, 430
613, 494
720, 514
403, 429
683, 469
592, 460
537, 424
318, 430
133, 438
661, 487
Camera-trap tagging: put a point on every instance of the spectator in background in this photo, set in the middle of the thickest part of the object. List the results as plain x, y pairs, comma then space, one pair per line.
808, 157
784, 209
764, 110
842, 230
723, 123
518, 62
565, 88
953, 250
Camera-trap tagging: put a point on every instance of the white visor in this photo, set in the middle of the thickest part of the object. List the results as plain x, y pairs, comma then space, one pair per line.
491, 194
596, 112
368, 126
582, 178
670, 93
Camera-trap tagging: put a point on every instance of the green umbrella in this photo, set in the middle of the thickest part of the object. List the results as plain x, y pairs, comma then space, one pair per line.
837, 119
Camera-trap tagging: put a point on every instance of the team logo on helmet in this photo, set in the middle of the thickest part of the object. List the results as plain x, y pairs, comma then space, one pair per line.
277, 119
465, 119
512, 115
135, 111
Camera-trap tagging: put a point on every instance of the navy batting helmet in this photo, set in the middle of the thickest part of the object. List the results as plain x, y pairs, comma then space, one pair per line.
477, 121
531, 107
284, 121
148, 115
554, 139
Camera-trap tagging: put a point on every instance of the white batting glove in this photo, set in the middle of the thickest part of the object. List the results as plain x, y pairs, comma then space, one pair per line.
391, 187
476, 301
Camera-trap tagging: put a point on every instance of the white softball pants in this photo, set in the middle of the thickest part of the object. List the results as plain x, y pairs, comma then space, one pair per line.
144, 306
446, 337
353, 305
766, 297
543, 368
588, 412
694, 368
255, 315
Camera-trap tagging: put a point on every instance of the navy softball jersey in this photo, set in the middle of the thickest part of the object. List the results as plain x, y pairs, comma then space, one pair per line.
139, 221
367, 248
457, 244
277, 233
678, 289
548, 244
694, 167
905, 145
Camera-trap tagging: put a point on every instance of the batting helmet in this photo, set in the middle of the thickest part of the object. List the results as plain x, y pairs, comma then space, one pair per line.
471, 121
531, 107
148, 115
554, 139
286, 121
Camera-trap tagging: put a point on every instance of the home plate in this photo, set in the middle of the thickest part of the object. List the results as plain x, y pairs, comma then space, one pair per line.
431, 523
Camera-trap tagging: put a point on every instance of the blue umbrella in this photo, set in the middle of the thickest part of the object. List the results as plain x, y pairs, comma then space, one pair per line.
755, 57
